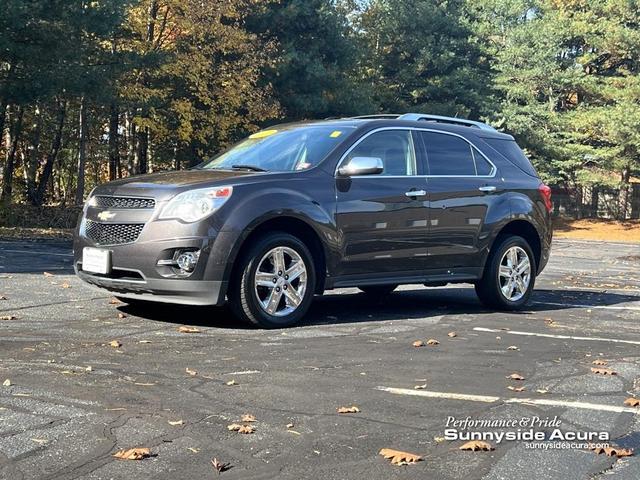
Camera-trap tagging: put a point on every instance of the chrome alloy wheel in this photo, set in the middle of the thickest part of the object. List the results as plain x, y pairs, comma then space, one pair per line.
514, 274
280, 281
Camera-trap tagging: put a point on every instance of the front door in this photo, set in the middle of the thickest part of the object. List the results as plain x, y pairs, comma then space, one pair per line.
382, 218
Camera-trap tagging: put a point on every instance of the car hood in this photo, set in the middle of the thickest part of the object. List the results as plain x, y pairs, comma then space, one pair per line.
167, 184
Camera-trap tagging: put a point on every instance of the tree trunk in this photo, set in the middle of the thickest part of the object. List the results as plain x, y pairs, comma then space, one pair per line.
143, 150
3, 115
56, 144
7, 186
623, 195
82, 151
130, 132
114, 148
30, 165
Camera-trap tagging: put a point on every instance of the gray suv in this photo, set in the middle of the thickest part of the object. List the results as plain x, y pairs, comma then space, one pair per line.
369, 202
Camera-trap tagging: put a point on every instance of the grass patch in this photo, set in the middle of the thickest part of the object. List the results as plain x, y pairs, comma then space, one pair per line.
597, 229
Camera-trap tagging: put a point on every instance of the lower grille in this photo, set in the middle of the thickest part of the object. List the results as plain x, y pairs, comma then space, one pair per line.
112, 233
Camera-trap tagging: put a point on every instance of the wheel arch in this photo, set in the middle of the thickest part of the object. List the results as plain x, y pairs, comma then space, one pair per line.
526, 230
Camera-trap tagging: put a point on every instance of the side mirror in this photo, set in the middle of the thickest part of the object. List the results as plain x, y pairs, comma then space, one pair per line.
361, 166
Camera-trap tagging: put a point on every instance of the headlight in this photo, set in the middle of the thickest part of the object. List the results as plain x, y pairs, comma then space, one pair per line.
195, 205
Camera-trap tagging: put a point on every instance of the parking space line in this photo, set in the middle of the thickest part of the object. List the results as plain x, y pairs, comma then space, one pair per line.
527, 401
599, 307
549, 335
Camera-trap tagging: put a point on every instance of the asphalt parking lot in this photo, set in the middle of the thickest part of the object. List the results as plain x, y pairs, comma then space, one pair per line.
74, 399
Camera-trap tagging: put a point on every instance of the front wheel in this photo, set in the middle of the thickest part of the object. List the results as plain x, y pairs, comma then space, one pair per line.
509, 275
274, 283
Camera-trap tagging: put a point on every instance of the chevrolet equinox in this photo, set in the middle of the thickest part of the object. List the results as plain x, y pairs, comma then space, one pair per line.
369, 202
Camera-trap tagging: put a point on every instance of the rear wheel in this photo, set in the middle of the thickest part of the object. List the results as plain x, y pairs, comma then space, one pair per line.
274, 283
509, 275
378, 290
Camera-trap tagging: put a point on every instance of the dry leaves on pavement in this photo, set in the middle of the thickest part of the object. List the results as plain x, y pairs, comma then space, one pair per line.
232, 383
632, 402
247, 417
114, 301
351, 409
512, 347
246, 429
191, 372
8, 317
219, 466
122, 315
65, 285
175, 423
515, 376
599, 362
603, 371
477, 445
184, 329
399, 457
6, 383
115, 344
433, 341
2, 297
542, 390
48, 275
612, 451
516, 389
452, 334
420, 387
418, 343
133, 454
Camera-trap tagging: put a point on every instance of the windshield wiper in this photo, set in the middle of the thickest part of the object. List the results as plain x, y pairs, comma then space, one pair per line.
253, 168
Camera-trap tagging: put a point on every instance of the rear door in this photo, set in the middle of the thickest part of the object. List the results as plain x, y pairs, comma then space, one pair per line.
382, 218
461, 186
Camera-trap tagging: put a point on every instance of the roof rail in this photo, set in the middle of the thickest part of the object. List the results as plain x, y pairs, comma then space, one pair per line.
441, 119
377, 116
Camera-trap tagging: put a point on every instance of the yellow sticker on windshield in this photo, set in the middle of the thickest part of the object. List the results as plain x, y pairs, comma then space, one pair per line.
263, 134
335, 134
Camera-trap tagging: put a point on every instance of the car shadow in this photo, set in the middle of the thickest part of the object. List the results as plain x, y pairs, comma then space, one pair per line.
351, 306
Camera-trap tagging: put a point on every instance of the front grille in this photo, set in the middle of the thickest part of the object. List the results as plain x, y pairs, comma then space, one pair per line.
124, 202
112, 233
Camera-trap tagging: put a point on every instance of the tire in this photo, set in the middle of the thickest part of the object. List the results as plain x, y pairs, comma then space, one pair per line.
378, 290
490, 289
249, 300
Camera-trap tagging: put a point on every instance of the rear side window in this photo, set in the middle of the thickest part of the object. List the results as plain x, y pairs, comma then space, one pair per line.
448, 155
512, 152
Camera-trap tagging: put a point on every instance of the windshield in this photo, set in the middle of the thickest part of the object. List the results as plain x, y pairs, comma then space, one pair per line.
281, 150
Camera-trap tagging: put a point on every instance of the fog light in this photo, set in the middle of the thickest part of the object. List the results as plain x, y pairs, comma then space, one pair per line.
187, 261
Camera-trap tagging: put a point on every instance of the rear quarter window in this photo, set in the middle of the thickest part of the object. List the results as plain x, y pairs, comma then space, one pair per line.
512, 152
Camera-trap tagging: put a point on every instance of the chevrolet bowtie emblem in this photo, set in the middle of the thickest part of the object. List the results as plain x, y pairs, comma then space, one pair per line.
106, 215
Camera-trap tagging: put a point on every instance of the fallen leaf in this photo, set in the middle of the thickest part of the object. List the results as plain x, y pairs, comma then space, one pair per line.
234, 427
132, 454
599, 362
420, 387
219, 466
612, 451
231, 382
247, 417
191, 372
512, 347
418, 343
184, 329
122, 315
542, 390
175, 422
144, 341
47, 274
6, 383
351, 409
399, 457
452, 334
433, 341
632, 402
88, 369
475, 445
290, 425
65, 285
114, 301
194, 450
2, 297
115, 344
603, 371
41, 441
515, 376
8, 317
516, 389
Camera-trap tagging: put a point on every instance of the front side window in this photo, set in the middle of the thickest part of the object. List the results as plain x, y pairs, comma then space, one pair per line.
281, 149
393, 147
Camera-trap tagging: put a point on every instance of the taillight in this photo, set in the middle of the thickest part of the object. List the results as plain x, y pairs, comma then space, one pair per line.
545, 193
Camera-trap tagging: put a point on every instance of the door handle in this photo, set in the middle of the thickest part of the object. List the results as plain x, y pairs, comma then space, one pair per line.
487, 189
416, 193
